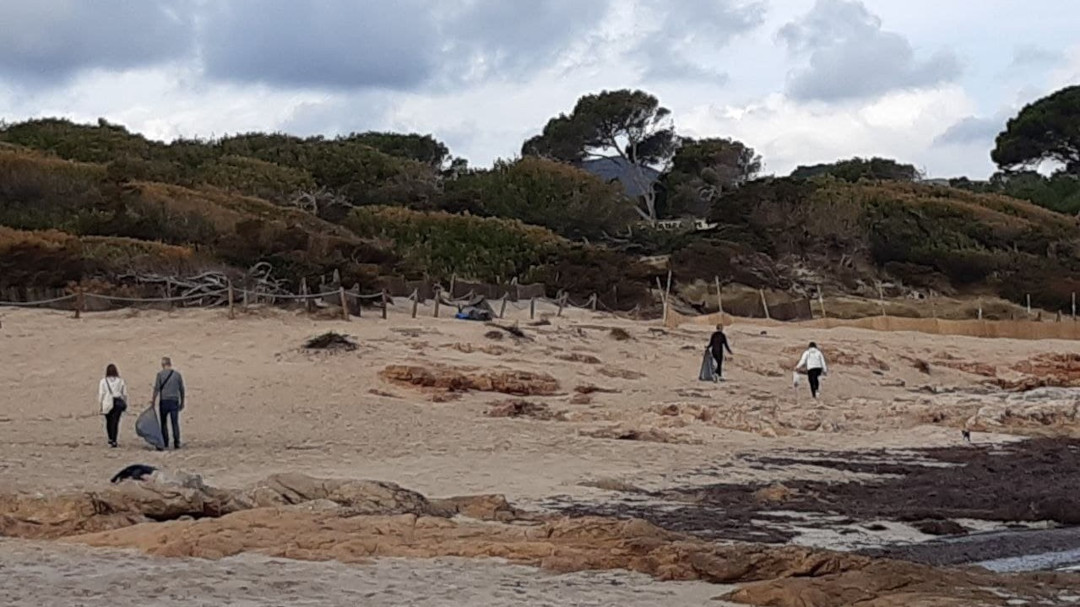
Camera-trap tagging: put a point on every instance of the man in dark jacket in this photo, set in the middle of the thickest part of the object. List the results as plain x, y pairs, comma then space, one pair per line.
717, 344
169, 393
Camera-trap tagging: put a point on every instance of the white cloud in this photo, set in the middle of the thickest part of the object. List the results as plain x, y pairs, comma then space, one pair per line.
166, 104
1027, 56
852, 57
684, 39
972, 130
789, 133
1069, 73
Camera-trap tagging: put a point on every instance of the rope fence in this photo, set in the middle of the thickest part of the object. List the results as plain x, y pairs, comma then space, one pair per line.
351, 302
33, 304
354, 303
181, 298
286, 296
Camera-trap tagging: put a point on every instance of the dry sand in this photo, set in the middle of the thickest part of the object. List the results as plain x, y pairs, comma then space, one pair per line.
34, 574
259, 404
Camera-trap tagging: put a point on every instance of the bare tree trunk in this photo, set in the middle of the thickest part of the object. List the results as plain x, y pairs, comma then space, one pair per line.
648, 193
650, 204
637, 175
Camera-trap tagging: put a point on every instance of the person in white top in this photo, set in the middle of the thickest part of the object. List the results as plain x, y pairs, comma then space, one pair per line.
112, 396
813, 362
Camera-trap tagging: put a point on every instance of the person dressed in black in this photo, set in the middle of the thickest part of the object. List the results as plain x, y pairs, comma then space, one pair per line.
717, 344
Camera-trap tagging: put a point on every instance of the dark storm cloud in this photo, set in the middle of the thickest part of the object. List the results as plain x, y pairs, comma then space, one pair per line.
399, 45
852, 57
691, 34
45, 41
971, 130
330, 43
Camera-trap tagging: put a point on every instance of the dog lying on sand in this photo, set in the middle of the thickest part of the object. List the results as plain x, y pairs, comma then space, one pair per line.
135, 472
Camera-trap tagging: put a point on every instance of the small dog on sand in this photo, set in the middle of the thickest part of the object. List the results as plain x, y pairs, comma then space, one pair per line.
135, 472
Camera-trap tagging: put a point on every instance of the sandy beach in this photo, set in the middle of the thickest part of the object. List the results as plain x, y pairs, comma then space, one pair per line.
627, 411
35, 574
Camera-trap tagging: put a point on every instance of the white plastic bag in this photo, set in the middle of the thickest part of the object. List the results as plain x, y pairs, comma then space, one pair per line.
795, 379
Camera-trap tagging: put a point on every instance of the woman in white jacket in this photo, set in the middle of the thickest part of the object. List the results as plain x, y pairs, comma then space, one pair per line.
813, 361
112, 395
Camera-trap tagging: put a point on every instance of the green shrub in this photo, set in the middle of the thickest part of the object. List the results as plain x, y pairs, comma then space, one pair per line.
53, 259
557, 196
369, 168
973, 240
99, 143
440, 244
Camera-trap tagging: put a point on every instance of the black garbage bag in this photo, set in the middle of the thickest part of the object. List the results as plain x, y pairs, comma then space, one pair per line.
148, 428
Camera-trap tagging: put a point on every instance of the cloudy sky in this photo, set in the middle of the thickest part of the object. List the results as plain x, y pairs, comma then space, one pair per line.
803, 81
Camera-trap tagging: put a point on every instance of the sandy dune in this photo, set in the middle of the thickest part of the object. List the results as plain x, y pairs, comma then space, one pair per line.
259, 404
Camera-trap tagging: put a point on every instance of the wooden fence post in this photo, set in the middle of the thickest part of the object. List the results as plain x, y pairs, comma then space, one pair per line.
502, 308
980, 309
1029, 304
232, 301
415, 301
344, 302
593, 302
719, 297
453, 283
615, 296
80, 301
438, 300
532, 308
304, 294
821, 302
667, 295
385, 300
881, 298
764, 304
